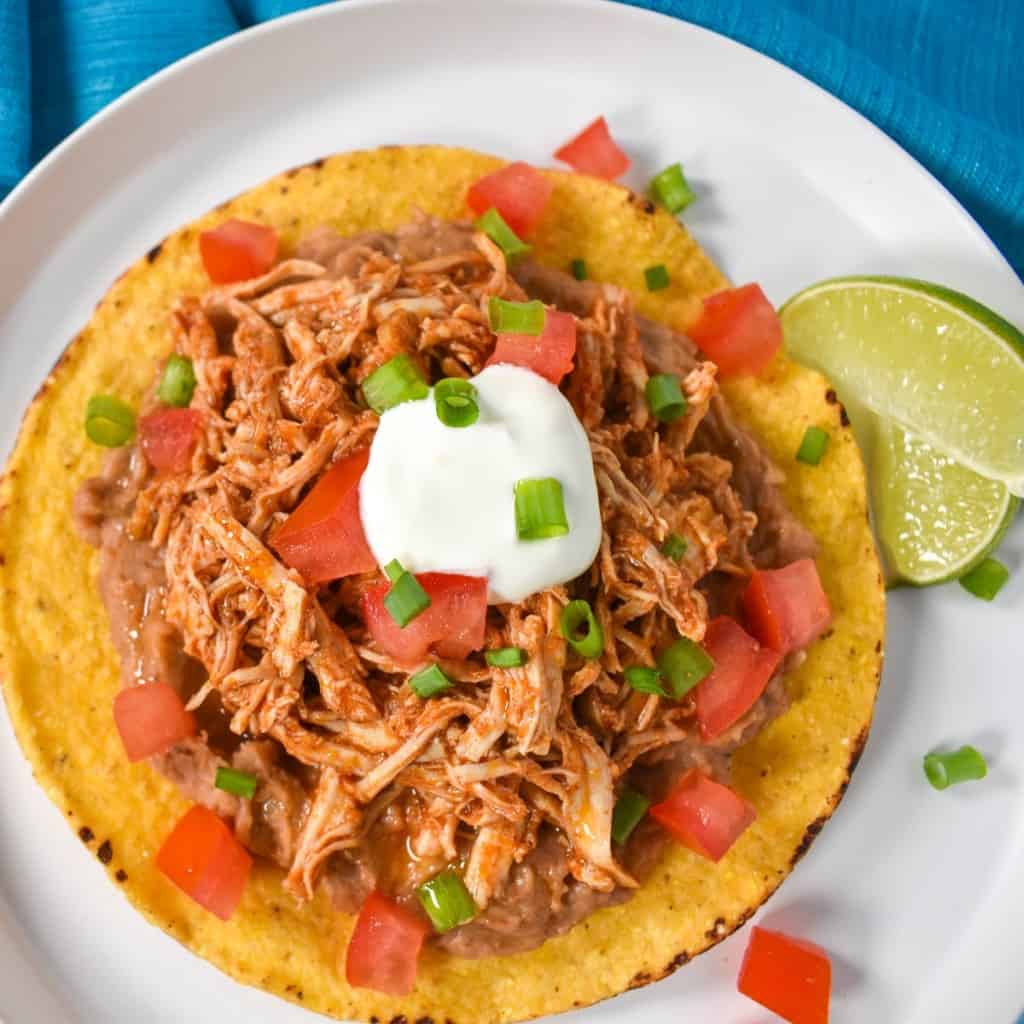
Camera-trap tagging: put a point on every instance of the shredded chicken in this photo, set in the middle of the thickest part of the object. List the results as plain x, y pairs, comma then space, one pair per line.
480, 772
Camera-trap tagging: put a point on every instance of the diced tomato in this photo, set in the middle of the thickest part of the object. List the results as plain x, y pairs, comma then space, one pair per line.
549, 353
742, 670
791, 977
451, 627
518, 191
594, 152
739, 330
237, 250
704, 815
384, 947
787, 608
150, 719
168, 437
323, 538
203, 858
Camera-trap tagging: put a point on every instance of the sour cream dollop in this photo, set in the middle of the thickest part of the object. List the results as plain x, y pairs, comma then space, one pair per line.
442, 499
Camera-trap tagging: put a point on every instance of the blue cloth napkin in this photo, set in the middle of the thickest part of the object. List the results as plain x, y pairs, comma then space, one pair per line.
944, 78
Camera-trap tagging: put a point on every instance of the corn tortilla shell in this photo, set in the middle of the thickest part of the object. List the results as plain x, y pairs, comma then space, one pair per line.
60, 672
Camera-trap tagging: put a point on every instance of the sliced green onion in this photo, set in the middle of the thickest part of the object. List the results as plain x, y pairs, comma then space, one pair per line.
671, 188
656, 277
963, 765
540, 509
240, 783
446, 900
813, 446
629, 811
675, 547
109, 421
397, 381
576, 615
178, 382
664, 397
455, 401
429, 682
986, 579
516, 317
645, 680
506, 657
684, 665
493, 225
579, 269
406, 599
393, 569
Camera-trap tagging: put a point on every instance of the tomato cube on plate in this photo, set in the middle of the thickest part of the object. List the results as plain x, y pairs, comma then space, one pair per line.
150, 719
791, 977
517, 191
787, 608
595, 152
203, 858
739, 330
323, 537
704, 815
237, 251
385, 946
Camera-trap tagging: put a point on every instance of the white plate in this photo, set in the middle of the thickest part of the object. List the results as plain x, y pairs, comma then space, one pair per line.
917, 894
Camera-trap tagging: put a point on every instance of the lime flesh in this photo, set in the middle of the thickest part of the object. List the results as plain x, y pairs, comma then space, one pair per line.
931, 360
935, 518
890, 347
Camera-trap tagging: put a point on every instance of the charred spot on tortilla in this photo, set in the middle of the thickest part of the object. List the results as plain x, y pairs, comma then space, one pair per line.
676, 962
105, 853
810, 834
151, 256
584, 215
85, 834
859, 746
642, 203
311, 165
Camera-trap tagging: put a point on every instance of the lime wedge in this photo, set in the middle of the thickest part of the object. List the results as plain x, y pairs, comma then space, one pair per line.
914, 363
935, 518
926, 358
